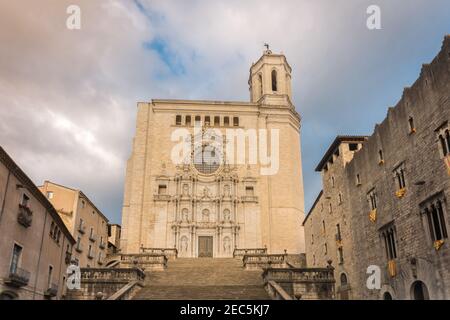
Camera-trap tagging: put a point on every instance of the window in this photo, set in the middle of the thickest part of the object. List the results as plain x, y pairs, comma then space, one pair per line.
188, 120
49, 280
338, 232
274, 80
380, 157
323, 227
162, 189
312, 239
198, 120
412, 128
260, 82
226, 121
330, 208
25, 200
207, 120
178, 120
325, 246
83, 203
236, 121
372, 197
340, 198
400, 178
314, 259
444, 141
390, 244
249, 191
340, 255
90, 252
52, 227
353, 146
15, 260
49, 195
217, 121
332, 182
358, 179
435, 218
91, 233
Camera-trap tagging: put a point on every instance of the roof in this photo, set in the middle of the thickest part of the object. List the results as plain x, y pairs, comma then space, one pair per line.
339, 139
33, 189
81, 194
313, 206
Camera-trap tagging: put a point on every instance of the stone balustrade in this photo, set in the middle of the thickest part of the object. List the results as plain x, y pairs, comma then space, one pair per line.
102, 283
170, 253
303, 283
144, 261
239, 253
260, 261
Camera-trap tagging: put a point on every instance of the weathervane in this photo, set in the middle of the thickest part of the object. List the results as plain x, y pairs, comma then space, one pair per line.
267, 46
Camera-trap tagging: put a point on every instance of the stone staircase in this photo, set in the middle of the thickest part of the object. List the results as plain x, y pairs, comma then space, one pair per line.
203, 279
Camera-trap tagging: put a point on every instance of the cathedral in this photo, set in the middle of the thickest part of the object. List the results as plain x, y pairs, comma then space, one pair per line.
204, 202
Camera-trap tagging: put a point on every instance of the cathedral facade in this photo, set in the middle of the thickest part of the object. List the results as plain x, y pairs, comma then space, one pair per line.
206, 177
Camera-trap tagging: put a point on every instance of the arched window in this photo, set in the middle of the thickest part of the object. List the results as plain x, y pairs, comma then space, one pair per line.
443, 145
188, 120
236, 121
274, 80
260, 83
343, 279
178, 120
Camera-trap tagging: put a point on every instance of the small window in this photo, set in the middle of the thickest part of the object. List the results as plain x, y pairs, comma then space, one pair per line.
444, 141
380, 157
340, 198
216, 121
274, 81
332, 182
341, 255
188, 120
226, 121
358, 179
338, 232
249, 191
372, 197
411, 125
330, 208
312, 239
207, 120
162, 189
50, 273
325, 249
198, 120
236, 121
178, 120
25, 200
83, 204
400, 178
49, 195
323, 227
390, 242
15, 260
435, 216
353, 146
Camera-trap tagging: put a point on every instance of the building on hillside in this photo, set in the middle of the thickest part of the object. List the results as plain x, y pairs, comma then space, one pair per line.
84, 220
35, 245
211, 202
394, 193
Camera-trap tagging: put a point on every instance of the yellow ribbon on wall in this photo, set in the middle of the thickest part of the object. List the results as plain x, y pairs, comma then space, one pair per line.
373, 215
400, 193
438, 244
447, 163
392, 268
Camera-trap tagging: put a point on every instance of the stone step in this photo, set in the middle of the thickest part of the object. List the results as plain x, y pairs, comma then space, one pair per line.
203, 279
234, 292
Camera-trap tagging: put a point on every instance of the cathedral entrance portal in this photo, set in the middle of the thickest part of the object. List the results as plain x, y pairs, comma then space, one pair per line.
205, 247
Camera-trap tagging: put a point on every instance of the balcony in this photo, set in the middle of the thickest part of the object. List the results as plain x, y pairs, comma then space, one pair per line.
18, 278
82, 228
52, 291
25, 216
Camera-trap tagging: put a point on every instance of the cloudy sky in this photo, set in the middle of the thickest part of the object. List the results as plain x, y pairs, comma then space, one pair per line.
68, 97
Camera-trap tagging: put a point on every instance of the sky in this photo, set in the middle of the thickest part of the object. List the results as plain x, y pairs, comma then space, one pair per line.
68, 97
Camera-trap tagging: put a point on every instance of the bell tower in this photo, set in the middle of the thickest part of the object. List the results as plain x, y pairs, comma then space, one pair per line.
270, 80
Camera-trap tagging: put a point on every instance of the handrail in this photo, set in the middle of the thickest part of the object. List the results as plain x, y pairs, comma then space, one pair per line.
122, 292
279, 291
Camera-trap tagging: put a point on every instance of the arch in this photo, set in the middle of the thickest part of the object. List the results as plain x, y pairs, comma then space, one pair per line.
8, 295
387, 296
419, 291
274, 80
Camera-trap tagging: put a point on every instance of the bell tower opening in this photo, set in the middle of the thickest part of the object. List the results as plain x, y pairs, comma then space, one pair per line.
270, 79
